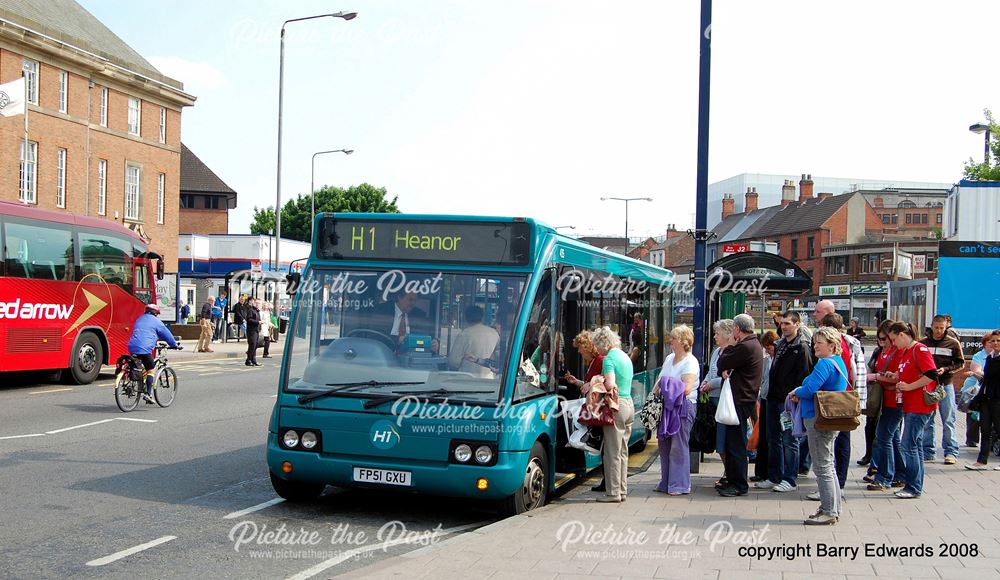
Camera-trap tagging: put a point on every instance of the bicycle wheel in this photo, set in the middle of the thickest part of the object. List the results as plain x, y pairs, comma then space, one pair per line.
165, 386
127, 393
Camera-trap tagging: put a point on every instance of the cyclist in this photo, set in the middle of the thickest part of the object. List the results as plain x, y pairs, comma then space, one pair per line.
149, 328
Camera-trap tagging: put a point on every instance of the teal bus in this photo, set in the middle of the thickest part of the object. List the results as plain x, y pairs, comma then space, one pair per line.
429, 354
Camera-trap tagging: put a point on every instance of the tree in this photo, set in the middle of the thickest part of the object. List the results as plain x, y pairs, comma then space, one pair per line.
985, 171
263, 220
297, 213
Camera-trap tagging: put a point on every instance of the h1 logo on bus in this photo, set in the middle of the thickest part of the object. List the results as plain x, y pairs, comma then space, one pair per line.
384, 435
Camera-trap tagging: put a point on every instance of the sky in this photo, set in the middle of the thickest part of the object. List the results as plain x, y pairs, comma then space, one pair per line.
540, 108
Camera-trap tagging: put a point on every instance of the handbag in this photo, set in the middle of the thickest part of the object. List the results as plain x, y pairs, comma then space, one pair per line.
703, 429
876, 394
652, 410
726, 413
932, 397
604, 416
966, 396
837, 410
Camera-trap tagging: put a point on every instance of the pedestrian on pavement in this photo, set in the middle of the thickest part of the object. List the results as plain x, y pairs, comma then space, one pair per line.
857, 380
240, 314
989, 399
251, 317
948, 357
744, 363
761, 463
854, 329
917, 373
264, 308
974, 376
829, 374
219, 316
185, 312
584, 344
617, 371
205, 319
888, 464
675, 449
712, 385
792, 362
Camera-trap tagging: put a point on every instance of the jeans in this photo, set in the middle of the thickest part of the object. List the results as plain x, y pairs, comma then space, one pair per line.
736, 449
761, 465
912, 449
805, 459
989, 416
675, 455
217, 325
783, 448
821, 444
870, 424
971, 430
842, 456
886, 455
948, 440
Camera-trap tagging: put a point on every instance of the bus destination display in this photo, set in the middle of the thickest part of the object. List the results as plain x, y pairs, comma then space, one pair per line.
498, 243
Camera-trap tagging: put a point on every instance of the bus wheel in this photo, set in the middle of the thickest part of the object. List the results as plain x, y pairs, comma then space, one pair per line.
296, 491
87, 359
534, 488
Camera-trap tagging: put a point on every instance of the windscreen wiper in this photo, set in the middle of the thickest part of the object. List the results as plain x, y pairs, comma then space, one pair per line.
436, 394
339, 387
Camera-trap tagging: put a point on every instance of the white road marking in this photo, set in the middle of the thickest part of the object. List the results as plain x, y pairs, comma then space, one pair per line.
63, 430
50, 391
78, 426
119, 555
322, 566
253, 509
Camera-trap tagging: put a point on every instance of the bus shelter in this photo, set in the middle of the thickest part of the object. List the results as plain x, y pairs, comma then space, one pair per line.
264, 285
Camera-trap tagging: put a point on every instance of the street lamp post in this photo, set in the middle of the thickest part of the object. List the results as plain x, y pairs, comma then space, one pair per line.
979, 128
626, 200
281, 101
312, 182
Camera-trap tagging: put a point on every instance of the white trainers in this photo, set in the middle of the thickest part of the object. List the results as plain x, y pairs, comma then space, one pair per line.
765, 484
813, 496
784, 486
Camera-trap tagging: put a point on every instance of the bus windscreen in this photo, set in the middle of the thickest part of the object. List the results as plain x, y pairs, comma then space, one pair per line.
494, 243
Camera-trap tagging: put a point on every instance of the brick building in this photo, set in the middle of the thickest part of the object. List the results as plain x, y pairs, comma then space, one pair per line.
205, 200
103, 134
912, 213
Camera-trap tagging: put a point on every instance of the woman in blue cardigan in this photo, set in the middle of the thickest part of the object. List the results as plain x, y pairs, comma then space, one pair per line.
829, 374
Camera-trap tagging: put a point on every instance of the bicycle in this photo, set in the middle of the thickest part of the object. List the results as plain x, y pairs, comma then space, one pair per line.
130, 385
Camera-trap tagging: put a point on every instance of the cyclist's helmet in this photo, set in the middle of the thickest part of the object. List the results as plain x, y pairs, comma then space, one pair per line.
153, 308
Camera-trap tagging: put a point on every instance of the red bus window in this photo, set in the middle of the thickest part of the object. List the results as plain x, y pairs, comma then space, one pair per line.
107, 256
42, 253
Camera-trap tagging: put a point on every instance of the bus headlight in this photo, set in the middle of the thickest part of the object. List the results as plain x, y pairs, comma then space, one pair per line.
309, 440
463, 453
290, 439
484, 454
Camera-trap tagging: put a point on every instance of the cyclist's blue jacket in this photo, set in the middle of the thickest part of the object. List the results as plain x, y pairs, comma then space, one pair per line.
148, 329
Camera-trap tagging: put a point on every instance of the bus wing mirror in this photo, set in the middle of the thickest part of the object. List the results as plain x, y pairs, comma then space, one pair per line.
159, 269
292, 281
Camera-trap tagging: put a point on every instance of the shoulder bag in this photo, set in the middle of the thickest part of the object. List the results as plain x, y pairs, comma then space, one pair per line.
837, 410
930, 397
652, 410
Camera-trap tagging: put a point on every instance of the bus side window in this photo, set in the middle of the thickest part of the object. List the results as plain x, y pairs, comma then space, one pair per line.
536, 373
108, 256
42, 253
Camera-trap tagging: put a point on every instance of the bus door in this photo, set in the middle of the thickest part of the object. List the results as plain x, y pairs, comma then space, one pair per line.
143, 287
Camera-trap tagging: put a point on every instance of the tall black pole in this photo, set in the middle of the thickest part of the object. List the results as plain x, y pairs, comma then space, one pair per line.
986, 149
701, 203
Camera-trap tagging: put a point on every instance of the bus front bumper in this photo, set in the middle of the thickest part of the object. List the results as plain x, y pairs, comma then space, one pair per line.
436, 478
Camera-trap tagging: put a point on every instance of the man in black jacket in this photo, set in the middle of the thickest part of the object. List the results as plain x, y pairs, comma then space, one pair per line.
949, 358
793, 361
252, 318
744, 363
240, 314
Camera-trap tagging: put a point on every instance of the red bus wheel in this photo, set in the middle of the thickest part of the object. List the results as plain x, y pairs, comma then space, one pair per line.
88, 357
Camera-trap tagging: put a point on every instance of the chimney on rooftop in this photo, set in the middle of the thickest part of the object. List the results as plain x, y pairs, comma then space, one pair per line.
787, 193
672, 232
728, 205
806, 187
823, 195
750, 199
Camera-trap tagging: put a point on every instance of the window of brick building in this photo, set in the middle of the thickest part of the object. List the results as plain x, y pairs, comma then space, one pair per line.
134, 115
63, 91
133, 193
163, 125
837, 265
939, 218
104, 106
102, 186
160, 205
909, 218
28, 171
795, 248
31, 80
869, 263
187, 201
61, 178
811, 247
931, 262
886, 219
923, 218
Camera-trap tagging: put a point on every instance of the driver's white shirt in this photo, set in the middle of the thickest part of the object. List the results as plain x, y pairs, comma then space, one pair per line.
396, 319
478, 340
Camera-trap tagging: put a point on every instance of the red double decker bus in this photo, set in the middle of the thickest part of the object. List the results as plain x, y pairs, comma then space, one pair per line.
71, 288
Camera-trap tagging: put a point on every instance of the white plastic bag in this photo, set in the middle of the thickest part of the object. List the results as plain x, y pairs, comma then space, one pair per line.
726, 412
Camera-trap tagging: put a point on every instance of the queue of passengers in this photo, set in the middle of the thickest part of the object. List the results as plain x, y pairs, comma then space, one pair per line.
774, 381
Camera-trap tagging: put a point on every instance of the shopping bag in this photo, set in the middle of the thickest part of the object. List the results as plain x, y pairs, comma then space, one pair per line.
726, 413
704, 428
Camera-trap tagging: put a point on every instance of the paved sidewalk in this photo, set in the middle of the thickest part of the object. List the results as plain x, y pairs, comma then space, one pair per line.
222, 350
761, 535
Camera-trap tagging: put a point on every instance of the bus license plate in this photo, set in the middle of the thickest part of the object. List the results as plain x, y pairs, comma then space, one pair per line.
383, 476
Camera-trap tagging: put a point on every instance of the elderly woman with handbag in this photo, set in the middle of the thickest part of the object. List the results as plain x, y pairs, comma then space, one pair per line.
674, 427
617, 372
829, 374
